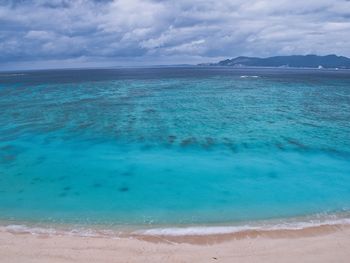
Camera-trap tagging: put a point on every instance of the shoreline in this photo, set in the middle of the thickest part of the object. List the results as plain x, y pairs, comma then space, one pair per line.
314, 244
186, 237
210, 239
179, 231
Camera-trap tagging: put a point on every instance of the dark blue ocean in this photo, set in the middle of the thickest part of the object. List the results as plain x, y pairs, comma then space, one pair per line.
173, 146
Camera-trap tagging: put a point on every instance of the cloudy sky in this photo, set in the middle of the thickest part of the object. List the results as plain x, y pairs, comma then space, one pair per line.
73, 33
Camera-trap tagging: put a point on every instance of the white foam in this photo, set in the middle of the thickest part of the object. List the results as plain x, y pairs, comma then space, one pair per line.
217, 230
81, 232
182, 231
247, 76
12, 75
31, 230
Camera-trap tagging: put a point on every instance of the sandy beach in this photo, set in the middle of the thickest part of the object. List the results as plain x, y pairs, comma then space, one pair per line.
319, 244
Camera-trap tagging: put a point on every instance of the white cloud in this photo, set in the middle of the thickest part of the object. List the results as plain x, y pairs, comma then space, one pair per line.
143, 30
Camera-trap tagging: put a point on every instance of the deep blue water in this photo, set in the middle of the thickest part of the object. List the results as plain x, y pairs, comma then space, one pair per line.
173, 145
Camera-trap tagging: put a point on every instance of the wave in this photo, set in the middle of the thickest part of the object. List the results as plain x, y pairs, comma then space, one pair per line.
115, 232
248, 76
82, 232
12, 75
220, 230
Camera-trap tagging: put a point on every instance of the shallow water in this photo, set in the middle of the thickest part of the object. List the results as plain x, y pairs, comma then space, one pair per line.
173, 145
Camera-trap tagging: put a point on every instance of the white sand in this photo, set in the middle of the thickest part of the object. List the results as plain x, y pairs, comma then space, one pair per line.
328, 245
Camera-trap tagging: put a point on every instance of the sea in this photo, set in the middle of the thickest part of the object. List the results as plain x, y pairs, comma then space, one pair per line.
174, 150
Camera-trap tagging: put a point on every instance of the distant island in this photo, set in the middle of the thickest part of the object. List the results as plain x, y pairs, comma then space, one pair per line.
295, 61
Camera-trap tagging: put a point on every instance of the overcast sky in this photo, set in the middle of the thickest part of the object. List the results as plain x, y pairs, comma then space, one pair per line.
73, 33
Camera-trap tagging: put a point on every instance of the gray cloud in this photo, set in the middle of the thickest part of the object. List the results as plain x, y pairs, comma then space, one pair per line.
165, 31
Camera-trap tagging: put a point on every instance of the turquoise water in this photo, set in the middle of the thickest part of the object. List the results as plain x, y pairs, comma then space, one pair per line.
173, 145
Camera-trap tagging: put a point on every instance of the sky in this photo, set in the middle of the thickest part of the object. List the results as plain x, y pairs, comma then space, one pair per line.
104, 33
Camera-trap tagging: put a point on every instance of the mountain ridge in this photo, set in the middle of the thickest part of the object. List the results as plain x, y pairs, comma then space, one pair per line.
294, 61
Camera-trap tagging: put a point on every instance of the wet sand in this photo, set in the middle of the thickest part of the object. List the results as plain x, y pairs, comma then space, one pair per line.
316, 244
